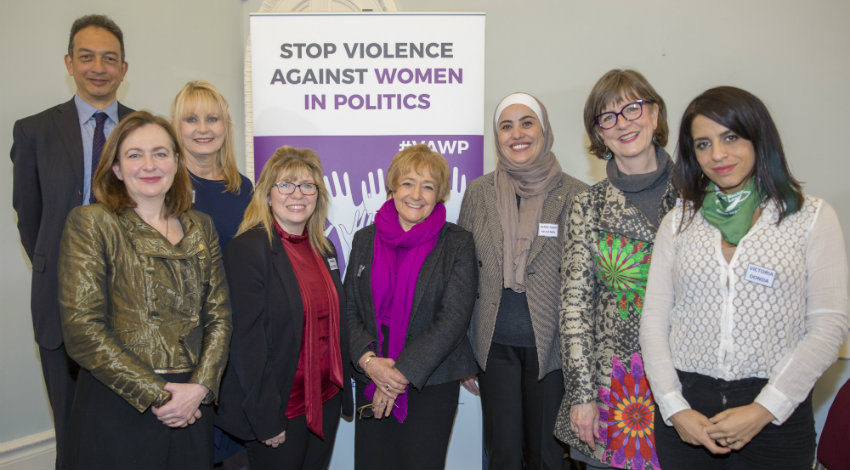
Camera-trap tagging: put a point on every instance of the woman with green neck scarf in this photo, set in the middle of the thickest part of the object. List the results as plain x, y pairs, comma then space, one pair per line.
747, 299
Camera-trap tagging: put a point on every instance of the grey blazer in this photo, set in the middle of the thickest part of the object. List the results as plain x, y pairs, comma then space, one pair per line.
436, 349
543, 271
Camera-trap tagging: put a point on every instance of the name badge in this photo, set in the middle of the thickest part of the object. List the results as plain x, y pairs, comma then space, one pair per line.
332, 264
548, 230
759, 275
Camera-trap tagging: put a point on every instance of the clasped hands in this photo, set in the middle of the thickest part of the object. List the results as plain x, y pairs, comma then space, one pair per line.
389, 382
183, 407
724, 432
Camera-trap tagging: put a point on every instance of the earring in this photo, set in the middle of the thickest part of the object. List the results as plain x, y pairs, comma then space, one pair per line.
608, 155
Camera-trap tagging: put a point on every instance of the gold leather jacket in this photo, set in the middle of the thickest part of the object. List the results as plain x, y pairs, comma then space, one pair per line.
134, 306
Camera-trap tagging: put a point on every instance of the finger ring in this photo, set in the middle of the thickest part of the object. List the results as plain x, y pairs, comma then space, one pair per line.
383, 403
727, 441
388, 387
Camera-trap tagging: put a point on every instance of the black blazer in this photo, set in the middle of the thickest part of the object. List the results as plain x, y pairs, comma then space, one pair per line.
436, 349
268, 321
47, 154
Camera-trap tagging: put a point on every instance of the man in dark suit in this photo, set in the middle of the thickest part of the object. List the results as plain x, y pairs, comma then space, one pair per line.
52, 153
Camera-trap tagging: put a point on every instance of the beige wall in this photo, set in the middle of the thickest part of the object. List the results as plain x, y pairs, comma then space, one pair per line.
794, 55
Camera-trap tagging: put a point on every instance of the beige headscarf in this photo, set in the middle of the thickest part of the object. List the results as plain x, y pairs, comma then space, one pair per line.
531, 183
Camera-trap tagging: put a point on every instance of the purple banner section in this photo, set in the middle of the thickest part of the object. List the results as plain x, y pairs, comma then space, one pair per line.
355, 168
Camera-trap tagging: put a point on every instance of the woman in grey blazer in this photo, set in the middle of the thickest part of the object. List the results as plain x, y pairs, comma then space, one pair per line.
410, 288
518, 217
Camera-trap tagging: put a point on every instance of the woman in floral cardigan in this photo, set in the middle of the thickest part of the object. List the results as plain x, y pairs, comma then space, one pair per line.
604, 272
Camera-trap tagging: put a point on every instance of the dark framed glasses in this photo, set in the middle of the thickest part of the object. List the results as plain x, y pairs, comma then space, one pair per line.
630, 112
366, 411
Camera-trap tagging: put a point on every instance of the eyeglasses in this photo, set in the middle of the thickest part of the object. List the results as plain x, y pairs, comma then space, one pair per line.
366, 411
286, 188
630, 112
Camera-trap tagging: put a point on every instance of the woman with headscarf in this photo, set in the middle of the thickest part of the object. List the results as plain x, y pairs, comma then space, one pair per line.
518, 217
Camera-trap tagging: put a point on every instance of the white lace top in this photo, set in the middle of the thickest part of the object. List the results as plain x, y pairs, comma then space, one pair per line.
779, 310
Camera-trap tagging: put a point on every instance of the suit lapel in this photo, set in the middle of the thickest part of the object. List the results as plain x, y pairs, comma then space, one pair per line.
364, 278
426, 272
335, 275
285, 275
68, 126
622, 217
123, 111
552, 208
494, 223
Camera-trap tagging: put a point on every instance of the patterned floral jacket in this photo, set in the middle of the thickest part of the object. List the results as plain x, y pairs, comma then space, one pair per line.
604, 271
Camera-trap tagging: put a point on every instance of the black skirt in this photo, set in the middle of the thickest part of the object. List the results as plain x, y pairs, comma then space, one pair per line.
106, 432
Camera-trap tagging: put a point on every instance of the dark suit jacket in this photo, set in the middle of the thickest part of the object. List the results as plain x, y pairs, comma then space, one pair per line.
268, 322
47, 154
436, 349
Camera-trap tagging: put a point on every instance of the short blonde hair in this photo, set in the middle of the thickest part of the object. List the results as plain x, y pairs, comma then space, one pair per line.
289, 162
418, 158
194, 96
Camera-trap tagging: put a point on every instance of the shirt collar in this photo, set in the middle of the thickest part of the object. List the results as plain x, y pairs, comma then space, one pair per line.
85, 111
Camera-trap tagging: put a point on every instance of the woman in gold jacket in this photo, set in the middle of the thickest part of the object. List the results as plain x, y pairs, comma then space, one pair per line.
144, 308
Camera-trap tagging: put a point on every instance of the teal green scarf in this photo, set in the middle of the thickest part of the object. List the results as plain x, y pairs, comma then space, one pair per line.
732, 213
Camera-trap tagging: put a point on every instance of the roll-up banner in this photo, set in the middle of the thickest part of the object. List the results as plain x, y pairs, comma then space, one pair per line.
359, 87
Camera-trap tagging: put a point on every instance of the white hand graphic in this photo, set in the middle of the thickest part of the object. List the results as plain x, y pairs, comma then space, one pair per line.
455, 196
375, 196
342, 212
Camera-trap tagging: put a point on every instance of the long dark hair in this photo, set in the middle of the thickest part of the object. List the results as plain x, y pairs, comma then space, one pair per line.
744, 114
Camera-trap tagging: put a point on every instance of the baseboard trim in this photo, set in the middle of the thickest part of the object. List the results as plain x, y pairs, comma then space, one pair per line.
36, 451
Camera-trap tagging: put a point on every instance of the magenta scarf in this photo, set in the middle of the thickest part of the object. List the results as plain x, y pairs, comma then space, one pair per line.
398, 257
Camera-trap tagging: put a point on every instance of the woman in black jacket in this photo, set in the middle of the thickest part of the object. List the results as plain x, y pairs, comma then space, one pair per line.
410, 287
286, 380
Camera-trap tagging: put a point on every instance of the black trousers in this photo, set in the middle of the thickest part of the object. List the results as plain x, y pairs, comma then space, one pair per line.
421, 442
302, 448
60, 379
105, 432
519, 411
789, 446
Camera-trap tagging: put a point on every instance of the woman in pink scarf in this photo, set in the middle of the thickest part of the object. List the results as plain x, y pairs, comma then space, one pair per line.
410, 287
